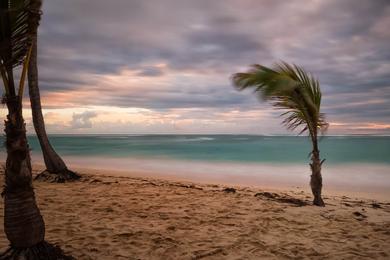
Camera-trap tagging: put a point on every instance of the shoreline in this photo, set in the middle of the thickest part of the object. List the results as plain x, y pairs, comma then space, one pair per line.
366, 181
236, 181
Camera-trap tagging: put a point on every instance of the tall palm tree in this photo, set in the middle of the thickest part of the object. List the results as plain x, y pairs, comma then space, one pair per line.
23, 223
289, 87
56, 169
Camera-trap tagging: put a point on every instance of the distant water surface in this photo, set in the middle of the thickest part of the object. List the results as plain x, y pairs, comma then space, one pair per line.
231, 148
353, 163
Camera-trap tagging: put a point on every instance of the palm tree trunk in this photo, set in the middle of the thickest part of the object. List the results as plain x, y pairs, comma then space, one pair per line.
56, 169
316, 177
23, 223
53, 162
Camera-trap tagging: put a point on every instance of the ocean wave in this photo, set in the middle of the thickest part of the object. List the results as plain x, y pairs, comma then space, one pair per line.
195, 139
119, 137
112, 137
206, 138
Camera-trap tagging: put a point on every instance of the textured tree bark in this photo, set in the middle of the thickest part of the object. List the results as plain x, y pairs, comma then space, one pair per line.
23, 223
56, 168
316, 177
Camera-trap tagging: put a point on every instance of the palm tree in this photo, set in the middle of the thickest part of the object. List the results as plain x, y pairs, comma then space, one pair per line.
23, 223
56, 169
289, 87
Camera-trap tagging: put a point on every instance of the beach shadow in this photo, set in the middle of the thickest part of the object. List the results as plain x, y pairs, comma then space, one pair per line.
282, 198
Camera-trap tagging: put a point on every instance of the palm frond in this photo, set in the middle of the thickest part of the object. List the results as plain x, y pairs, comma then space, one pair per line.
287, 87
14, 36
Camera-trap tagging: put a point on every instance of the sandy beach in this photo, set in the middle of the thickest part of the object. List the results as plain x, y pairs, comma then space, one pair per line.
121, 217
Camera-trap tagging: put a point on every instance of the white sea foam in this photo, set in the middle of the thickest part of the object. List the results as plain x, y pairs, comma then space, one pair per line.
112, 137
195, 139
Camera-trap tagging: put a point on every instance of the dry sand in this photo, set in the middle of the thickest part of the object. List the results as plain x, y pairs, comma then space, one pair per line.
116, 217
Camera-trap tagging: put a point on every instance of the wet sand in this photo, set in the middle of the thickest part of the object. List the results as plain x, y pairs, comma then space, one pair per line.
122, 217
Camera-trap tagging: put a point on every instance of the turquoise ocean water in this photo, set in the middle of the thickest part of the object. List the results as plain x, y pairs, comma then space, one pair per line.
353, 163
232, 148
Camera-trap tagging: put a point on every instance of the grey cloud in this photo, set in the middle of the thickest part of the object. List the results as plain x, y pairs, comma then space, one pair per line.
344, 43
212, 96
82, 120
151, 72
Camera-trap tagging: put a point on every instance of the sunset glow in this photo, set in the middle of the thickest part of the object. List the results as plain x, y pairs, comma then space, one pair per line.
135, 69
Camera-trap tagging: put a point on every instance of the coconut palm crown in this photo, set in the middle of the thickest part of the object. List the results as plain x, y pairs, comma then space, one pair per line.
291, 88
14, 39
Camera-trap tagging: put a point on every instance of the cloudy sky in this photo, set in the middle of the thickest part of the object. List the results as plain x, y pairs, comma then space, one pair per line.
164, 66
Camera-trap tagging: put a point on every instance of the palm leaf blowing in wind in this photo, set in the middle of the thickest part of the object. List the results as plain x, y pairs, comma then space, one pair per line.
14, 38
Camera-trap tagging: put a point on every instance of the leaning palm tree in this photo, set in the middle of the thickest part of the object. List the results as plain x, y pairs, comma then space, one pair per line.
289, 87
56, 169
23, 223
